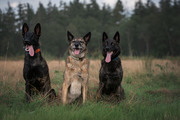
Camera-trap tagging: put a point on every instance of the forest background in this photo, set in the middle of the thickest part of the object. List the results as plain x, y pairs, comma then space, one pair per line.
149, 30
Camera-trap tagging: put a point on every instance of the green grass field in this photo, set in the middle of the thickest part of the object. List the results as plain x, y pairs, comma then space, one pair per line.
149, 96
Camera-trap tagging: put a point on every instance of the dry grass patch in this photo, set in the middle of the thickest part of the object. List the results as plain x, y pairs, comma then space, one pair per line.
12, 71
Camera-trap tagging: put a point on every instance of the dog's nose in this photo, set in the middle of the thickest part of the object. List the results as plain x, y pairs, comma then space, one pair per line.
76, 44
26, 40
107, 48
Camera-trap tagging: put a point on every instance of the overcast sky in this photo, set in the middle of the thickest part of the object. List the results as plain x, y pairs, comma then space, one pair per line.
128, 4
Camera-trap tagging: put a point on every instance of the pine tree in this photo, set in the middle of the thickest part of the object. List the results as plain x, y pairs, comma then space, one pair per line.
117, 13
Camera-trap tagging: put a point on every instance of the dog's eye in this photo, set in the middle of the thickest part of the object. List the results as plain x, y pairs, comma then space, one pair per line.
112, 44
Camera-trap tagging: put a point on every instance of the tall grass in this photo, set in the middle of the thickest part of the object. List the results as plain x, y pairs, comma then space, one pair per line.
150, 94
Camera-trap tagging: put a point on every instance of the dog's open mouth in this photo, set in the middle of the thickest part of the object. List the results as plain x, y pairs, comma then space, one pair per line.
108, 56
30, 49
77, 51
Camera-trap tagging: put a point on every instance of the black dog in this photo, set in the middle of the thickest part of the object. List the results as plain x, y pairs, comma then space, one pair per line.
111, 72
35, 72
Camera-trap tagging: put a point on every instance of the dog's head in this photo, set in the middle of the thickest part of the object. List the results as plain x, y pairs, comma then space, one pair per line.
111, 48
31, 39
78, 46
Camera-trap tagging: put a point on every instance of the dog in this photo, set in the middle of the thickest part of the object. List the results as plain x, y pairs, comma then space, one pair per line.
111, 72
35, 71
76, 73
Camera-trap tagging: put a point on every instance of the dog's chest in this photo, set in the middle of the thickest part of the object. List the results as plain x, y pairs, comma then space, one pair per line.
111, 68
35, 69
75, 90
111, 72
77, 66
76, 63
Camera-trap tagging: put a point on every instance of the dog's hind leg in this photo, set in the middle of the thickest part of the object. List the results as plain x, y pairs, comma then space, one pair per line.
64, 93
99, 91
47, 91
120, 93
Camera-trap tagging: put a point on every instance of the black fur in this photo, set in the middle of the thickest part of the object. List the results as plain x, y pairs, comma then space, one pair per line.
35, 71
111, 73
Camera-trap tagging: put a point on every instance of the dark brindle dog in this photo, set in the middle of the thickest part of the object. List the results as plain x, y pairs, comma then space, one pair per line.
35, 72
76, 74
111, 72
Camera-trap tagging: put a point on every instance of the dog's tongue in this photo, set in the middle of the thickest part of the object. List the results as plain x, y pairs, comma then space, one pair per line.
108, 57
76, 52
31, 50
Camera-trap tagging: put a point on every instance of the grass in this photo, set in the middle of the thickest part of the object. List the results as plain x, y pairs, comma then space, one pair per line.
152, 90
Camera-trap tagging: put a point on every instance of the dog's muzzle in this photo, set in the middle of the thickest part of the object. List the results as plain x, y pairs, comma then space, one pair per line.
77, 49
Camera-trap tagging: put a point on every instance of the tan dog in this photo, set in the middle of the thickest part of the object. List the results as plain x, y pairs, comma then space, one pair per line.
76, 73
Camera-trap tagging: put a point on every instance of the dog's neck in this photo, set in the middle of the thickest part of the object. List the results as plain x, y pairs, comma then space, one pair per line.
78, 59
113, 60
116, 58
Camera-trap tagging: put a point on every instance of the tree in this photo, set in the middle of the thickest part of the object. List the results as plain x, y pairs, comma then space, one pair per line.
30, 14
166, 10
117, 13
8, 32
41, 14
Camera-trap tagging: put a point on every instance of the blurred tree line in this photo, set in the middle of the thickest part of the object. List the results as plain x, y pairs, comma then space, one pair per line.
149, 31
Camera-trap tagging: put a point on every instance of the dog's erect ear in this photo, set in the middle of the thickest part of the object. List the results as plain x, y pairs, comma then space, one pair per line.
37, 29
117, 37
87, 37
25, 29
69, 36
104, 37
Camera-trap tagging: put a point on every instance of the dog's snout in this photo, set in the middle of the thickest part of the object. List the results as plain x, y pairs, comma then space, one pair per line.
107, 49
76, 44
26, 40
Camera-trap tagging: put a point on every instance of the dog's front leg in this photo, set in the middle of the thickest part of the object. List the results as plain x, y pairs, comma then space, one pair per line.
84, 92
85, 86
28, 92
64, 93
85, 77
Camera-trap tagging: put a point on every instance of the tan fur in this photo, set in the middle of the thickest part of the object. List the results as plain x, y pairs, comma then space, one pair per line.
76, 71
76, 77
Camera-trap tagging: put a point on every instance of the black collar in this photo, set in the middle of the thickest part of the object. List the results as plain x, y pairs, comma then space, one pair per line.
116, 58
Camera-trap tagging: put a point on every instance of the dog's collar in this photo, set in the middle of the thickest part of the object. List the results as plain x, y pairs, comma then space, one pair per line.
78, 59
116, 58
37, 50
